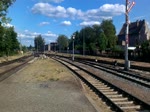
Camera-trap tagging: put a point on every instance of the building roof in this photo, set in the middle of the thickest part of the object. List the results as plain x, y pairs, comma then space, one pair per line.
134, 27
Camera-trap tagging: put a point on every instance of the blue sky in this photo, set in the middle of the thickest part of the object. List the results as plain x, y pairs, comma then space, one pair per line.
50, 18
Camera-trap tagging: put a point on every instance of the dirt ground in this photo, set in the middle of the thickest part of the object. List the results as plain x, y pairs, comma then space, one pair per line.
43, 86
9, 58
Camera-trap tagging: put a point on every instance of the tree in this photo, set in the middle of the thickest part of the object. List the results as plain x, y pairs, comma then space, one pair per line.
2, 32
39, 43
12, 36
24, 49
102, 41
4, 5
95, 38
62, 42
8, 40
8, 37
110, 32
146, 49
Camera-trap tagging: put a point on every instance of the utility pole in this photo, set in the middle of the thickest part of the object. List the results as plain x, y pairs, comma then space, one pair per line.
83, 42
128, 8
73, 37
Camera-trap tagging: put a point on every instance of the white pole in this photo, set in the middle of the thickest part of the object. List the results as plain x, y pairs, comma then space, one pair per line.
126, 38
73, 48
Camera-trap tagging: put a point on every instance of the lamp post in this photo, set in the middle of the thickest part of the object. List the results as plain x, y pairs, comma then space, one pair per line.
128, 8
44, 47
73, 37
37, 46
83, 42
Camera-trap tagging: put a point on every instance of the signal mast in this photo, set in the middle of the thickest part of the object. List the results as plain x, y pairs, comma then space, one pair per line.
129, 6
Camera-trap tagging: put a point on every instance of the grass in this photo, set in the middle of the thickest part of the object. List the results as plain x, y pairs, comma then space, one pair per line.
45, 70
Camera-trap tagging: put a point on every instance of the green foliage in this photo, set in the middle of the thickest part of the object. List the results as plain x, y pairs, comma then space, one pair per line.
4, 5
8, 41
117, 49
146, 49
110, 32
102, 41
91, 38
8, 37
62, 42
24, 49
39, 43
96, 38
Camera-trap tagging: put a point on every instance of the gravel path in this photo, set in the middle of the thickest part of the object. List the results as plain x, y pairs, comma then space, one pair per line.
132, 88
36, 89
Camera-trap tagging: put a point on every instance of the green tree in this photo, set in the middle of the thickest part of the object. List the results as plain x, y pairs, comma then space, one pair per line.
39, 43
24, 49
146, 49
95, 38
62, 42
2, 32
89, 39
4, 5
8, 37
102, 41
8, 40
12, 37
110, 32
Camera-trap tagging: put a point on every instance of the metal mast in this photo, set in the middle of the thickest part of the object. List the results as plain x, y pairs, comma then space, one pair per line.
128, 8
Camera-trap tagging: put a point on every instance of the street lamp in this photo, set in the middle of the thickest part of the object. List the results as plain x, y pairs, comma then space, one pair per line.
37, 46
73, 37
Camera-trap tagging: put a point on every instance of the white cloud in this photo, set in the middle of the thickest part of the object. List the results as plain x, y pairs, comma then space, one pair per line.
49, 34
44, 23
113, 8
26, 34
7, 25
27, 37
89, 23
148, 23
66, 23
105, 11
49, 10
138, 18
55, 1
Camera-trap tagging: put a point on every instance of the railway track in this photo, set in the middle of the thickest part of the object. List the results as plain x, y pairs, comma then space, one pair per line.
136, 78
7, 69
116, 98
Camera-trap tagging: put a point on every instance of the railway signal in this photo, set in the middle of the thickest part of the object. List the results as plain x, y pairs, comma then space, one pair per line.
129, 6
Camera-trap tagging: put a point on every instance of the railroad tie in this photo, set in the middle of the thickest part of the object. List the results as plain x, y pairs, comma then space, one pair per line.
98, 83
100, 86
104, 88
114, 96
131, 107
107, 90
110, 93
118, 99
124, 103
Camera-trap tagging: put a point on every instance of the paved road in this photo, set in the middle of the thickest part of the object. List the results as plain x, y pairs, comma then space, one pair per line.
42, 97
17, 95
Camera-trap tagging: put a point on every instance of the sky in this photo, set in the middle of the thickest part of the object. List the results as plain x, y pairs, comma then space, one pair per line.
51, 18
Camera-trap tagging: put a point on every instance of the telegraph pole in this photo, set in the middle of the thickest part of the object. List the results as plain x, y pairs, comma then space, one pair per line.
127, 10
73, 48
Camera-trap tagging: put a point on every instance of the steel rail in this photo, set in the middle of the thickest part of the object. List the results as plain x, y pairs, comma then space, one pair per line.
120, 91
9, 72
126, 75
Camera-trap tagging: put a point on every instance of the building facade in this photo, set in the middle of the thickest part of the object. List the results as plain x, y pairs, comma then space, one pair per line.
138, 33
